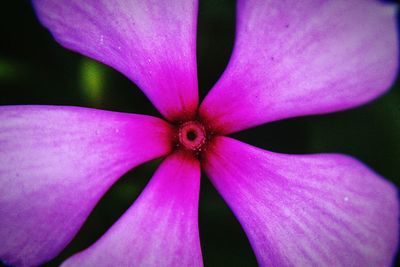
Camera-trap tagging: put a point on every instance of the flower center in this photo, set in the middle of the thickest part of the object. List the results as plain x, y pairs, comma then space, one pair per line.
192, 135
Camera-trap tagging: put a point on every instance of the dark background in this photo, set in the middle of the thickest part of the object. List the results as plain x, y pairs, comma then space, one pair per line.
34, 69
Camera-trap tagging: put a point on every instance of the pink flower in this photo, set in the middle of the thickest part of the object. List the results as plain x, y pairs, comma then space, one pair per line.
291, 58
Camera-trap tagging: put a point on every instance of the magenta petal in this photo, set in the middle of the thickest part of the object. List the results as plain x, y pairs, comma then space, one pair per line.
55, 164
160, 229
151, 42
307, 210
294, 58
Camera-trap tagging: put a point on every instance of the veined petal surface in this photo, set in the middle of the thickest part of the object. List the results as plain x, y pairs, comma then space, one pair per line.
161, 227
55, 164
152, 42
295, 58
307, 210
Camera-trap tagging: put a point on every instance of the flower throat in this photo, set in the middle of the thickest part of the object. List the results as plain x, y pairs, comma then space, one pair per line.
192, 136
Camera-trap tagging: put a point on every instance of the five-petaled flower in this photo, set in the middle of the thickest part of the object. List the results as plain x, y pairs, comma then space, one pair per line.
290, 58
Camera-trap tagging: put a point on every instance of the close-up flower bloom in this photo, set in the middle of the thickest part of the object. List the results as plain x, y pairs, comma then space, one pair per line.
290, 59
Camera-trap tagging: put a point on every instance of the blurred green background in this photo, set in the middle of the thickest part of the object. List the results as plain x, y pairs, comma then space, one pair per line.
34, 69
